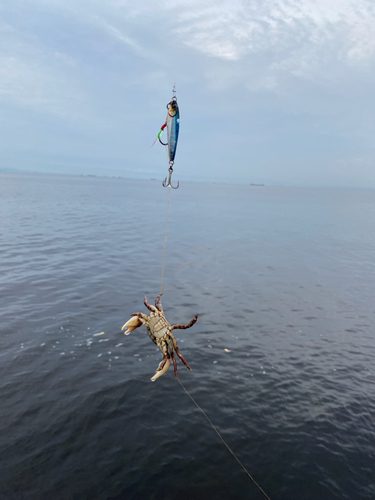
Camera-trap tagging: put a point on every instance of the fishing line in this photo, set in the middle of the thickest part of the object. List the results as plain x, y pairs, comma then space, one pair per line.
165, 241
222, 439
169, 184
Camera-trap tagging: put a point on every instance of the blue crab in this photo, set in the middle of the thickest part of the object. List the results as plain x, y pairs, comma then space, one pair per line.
160, 332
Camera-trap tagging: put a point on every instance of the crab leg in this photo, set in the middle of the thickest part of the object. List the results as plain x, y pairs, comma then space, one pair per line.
151, 308
178, 351
189, 325
170, 345
158, 304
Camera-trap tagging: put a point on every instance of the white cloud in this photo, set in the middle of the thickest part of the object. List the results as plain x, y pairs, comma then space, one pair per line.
36, 77
299, 73
36, 87
295, 37
118, 35
305, 39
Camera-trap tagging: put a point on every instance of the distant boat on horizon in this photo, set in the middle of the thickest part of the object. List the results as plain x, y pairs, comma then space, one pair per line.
253, 184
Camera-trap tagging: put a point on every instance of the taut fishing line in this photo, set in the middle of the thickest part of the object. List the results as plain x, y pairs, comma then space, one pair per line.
161, 288
224, 442
165, 242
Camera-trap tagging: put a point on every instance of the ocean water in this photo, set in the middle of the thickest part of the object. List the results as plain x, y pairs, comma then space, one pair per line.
283, 278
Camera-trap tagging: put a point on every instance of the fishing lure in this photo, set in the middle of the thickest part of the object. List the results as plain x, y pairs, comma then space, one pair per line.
172, 122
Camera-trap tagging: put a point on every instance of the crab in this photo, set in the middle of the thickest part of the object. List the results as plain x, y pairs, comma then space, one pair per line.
160, 332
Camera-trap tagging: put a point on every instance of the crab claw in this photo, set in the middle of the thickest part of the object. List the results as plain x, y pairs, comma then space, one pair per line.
131, 325
162, 371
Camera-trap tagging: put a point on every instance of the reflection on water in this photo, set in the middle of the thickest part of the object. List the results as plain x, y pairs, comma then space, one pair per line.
282, 278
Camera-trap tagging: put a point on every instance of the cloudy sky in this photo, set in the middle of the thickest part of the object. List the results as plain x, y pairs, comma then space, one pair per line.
270, 91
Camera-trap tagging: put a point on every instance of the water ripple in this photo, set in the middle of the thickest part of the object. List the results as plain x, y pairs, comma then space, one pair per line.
282, 353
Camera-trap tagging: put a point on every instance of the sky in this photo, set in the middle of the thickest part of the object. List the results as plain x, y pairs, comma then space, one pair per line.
280, 92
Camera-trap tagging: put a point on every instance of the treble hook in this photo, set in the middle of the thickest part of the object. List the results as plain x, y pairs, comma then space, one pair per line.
169, 183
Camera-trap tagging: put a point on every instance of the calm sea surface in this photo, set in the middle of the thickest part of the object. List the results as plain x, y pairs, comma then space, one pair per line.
284, 278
